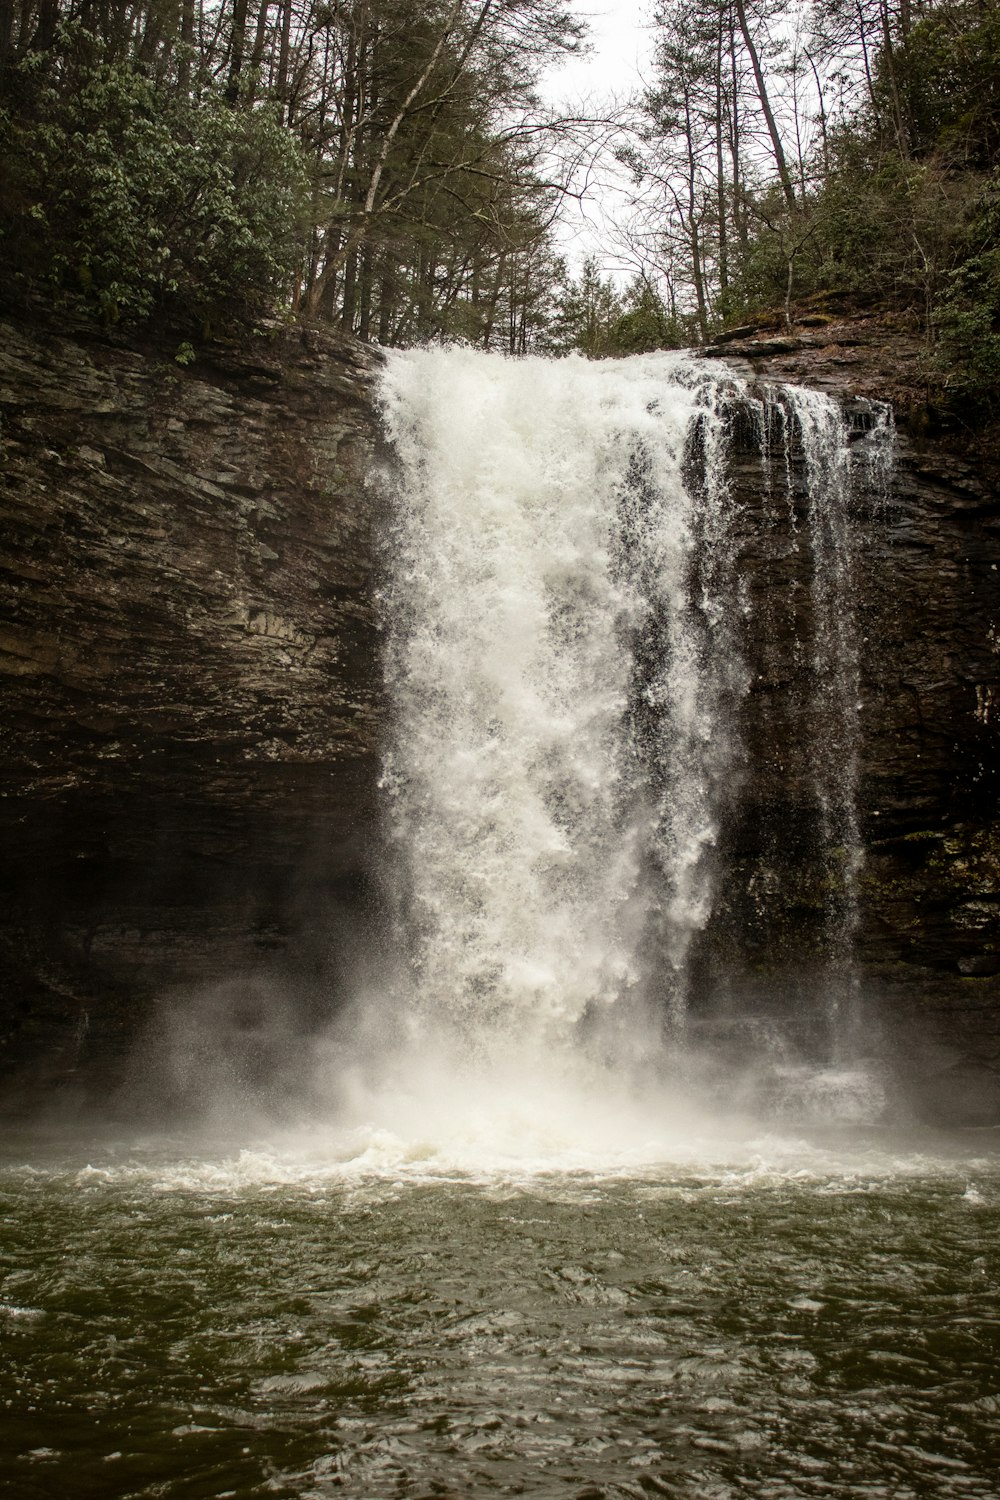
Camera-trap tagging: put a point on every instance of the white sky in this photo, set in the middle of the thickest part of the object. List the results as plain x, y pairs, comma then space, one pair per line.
620, 39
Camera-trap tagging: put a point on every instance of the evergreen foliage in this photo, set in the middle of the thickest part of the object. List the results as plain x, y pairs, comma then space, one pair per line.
847, 147
381, 165
130, 200
387, 167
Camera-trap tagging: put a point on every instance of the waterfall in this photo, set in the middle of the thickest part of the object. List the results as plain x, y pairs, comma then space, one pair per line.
566, 621
835, 476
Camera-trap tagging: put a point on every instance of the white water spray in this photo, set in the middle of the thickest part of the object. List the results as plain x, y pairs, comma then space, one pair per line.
560, 663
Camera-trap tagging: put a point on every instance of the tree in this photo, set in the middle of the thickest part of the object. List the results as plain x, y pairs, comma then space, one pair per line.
439, 112
711, 141
431, 175
644, 323
763, 94
587, 312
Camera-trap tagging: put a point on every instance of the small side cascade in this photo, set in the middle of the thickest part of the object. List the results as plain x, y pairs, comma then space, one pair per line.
688, 671
843, 463
568, 621
835, 707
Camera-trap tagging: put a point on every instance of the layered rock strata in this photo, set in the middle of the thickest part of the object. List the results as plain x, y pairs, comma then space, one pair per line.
188, 658
927, 605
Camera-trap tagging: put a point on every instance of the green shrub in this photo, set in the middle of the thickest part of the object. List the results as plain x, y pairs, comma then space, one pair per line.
968, 313
130, 200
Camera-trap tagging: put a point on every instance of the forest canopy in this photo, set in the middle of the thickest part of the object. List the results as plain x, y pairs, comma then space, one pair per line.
389, 168
846, 149
376, 163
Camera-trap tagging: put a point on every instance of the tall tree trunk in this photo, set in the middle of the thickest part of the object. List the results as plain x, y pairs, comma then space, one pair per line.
698, 277
386, 301
900, 118
6, 33
787, 186
260, 37
720, 175
153, 35
23, 28
694, 236
348, 299
740, 222
824, 138
489, 321
186, 48
866, 60
45, 30
237, 47
365, 280
284, 52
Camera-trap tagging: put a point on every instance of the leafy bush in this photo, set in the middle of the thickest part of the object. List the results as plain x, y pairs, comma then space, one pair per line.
888, 231
946, 73
903, 214
968, 314
131, 200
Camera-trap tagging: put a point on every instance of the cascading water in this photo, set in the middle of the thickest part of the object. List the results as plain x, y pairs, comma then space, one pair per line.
566, 619
558, 680
798, 1004
835, 707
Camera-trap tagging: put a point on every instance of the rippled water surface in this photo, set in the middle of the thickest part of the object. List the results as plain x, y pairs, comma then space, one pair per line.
264, 1324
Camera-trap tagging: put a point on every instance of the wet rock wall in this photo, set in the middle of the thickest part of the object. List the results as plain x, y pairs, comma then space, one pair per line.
188, 666
926, 609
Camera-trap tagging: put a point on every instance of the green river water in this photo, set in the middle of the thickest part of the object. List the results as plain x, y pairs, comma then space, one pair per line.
808, 1320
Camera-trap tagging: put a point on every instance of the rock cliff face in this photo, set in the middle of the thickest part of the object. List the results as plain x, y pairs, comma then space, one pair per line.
928, 629
189, 661
188, 657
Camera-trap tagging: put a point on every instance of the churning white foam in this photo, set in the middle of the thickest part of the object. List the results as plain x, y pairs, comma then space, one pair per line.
558, 685
507, 1139
563, 617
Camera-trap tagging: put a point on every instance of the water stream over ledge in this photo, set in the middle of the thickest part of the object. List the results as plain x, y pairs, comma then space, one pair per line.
570, 636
